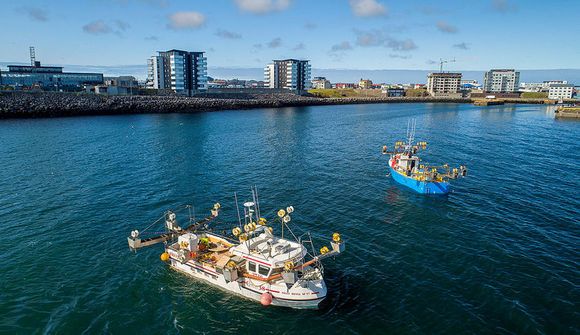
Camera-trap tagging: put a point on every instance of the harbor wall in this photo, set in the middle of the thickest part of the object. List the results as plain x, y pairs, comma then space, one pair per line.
52, 104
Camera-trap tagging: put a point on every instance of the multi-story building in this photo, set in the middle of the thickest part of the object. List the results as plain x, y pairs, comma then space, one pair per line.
47, 78
292, 74
365, 84
561, 91
501, 81
321, 83
444, 84
181, 71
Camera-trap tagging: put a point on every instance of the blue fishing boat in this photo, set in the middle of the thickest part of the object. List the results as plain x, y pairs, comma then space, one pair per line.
407, 169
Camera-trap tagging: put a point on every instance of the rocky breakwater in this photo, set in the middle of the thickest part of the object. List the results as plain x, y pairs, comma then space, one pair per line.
50, 104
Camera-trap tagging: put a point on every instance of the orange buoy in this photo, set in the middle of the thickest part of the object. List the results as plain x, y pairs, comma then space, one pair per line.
164, 257
266, 299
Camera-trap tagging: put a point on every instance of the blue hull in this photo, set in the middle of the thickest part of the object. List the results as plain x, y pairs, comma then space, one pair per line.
420, 186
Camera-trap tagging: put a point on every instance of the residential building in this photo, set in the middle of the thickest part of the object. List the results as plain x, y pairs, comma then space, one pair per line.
560, 91
50, 78
292, 74
501, 81
344, 85
183, 72
444, 84
533, 87
365, 84
547, 83
321, 82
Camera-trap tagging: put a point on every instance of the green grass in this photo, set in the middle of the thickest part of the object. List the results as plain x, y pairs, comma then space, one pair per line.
332, 93
534, 95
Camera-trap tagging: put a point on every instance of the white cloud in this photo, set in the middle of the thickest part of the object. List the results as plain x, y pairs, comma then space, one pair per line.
262, 6
299, 46
228, 34
446, 27
374, 38
367, 8
274, 43
345, 45
36, 14
97, 27
186, 20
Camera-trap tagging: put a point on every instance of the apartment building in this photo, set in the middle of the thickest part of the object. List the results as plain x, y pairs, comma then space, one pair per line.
183, 72
501, 81
292, 74
444, 84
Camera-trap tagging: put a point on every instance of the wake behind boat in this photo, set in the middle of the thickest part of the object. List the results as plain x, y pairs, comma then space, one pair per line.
252, 261
407, 169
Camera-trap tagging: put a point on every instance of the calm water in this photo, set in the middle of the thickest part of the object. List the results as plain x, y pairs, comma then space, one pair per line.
498, 255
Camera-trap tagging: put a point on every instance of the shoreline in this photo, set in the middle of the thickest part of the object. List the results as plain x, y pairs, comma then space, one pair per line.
50, 104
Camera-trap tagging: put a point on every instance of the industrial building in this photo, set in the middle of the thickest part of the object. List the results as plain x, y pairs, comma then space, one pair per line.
49, 78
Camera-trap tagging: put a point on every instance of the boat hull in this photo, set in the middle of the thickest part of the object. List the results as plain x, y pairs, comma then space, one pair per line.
252, 289
436, 188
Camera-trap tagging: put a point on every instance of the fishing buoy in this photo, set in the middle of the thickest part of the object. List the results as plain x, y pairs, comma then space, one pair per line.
164, 257
266, 299
336, 237
281, 213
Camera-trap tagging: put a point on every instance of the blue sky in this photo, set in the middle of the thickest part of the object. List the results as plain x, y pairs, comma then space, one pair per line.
334, 34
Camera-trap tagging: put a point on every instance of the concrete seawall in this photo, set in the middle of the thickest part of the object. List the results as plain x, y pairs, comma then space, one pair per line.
49, 104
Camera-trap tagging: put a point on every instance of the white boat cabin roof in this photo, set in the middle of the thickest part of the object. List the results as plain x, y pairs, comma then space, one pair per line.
269, 250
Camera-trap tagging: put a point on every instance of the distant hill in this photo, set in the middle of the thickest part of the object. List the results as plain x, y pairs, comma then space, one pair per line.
334, 75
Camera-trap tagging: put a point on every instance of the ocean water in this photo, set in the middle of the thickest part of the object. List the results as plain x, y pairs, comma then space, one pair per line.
499, 255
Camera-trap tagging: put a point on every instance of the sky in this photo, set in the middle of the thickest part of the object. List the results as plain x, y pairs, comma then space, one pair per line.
332, 34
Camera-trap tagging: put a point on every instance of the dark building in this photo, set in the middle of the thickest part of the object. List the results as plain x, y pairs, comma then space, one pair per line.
290, 74
50, 78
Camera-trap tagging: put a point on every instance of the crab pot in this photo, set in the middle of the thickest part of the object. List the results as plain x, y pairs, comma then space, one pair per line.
338, 247
290, 277
230, 275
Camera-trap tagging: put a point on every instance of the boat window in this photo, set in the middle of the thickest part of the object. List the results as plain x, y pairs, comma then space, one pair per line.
252, 266
263, 270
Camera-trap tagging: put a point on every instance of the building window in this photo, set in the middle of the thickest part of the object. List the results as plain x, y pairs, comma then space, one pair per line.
263, 270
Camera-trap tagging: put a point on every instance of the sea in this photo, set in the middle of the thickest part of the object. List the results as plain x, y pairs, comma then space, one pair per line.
498, 255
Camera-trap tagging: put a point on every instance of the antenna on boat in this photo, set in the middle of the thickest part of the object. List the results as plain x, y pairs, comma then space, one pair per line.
257, 203
238, 209
411, 126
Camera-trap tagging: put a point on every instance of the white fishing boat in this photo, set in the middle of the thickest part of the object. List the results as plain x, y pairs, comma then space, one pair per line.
252, 262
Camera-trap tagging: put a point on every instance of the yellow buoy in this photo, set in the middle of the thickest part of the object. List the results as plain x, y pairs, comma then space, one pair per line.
262, 221
288, 265
281, 213
164, 257
324, 250
336, 237
236, 231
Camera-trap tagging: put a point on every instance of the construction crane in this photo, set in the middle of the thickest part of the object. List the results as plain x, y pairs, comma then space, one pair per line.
442, 61
32, 57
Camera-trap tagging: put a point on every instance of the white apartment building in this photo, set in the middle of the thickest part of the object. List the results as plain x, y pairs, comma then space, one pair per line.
444, 85
561, 91
183, 72
501, 81
289, 74
321, 83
